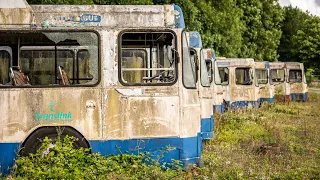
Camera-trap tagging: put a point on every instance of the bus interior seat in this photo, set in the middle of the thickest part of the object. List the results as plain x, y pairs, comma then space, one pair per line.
64, 77
18, 77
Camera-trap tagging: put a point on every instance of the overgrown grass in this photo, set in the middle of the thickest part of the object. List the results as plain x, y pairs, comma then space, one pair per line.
277, 141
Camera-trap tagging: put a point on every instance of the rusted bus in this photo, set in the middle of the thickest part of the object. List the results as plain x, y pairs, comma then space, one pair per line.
262, 71
156, 104
297, 81
239, 82
278, 78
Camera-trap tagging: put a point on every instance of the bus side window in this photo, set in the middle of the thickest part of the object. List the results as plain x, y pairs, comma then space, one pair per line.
295, 75
224, 75
262, 76
147, 58
243, 76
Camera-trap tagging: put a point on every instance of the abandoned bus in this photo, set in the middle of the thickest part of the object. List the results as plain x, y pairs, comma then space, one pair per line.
297, 81
204, 76
118, 78
278, 81
238, 78
262, 70
206, 59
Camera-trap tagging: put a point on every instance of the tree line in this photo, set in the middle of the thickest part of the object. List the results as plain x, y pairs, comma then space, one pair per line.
260, 29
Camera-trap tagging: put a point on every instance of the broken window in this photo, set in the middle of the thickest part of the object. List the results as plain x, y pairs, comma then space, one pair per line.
48, 57
295, 75
4, 67
277, 75
243, 76
147, 58
262, 76
222, 76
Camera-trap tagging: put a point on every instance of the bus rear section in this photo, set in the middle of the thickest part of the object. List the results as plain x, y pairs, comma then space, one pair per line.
262, 71
117, 87
278, 80
239, 76
297, 81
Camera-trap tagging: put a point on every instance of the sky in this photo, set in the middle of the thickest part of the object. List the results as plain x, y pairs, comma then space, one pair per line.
313, 6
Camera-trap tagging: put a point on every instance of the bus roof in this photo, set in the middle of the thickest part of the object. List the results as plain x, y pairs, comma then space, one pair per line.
236, 62
261, 65
18, 12
277, 65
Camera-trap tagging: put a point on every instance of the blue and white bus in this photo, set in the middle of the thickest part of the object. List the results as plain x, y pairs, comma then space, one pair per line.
118, 78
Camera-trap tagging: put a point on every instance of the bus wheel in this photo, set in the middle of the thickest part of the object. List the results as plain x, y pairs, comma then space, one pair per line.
33, 142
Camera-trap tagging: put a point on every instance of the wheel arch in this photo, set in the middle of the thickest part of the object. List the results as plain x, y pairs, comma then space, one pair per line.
68, 129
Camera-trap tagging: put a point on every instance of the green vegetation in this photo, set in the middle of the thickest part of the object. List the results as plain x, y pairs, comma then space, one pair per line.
277, 141
62, 161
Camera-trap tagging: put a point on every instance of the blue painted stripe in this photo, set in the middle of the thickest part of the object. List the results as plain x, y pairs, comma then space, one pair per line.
218, 108
207, 128
207, 124
187, 150
207, 135
299, 96
269, 100
8, 152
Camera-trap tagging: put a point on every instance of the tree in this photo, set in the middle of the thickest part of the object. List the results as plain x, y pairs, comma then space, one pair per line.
262, 32
307, 43
294, 20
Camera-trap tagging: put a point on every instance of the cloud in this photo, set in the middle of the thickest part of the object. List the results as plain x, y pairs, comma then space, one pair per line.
313, 6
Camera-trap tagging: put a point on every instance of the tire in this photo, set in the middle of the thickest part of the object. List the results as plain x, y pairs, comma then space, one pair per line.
33, 142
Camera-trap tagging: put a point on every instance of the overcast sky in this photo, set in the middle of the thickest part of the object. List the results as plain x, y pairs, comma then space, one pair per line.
313, 6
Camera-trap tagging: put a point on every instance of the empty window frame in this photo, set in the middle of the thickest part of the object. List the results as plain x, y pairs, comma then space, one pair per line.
147, 58
243, 76
223, 74
4, 67
42, 53
189, 64
262, 76
295, 75
277, 75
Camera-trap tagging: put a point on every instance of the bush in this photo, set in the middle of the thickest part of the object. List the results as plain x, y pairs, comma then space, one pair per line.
59, 160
